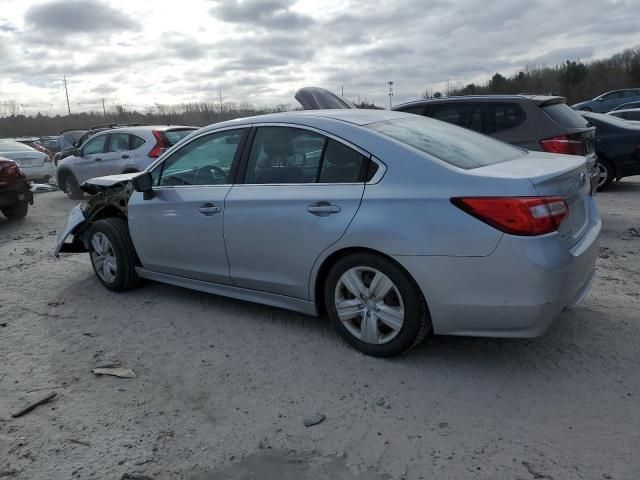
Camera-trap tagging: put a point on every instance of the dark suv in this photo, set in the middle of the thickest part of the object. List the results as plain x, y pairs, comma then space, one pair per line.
535, 122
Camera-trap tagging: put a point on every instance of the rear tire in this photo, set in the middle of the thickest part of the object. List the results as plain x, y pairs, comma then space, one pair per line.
392, 306
16, 211
113, 256
607, 174
71, 187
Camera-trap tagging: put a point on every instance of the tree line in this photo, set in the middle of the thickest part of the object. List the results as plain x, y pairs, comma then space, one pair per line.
573, 79
15, 124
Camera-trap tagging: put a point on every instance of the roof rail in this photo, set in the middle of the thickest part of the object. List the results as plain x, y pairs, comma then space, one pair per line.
115, 125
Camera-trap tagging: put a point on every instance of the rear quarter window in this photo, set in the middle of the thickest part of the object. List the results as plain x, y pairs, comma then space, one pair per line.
565, 116
452, 144
504, 116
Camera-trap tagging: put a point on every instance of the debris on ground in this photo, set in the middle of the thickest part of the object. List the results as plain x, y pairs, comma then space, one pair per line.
43, 187
115, 370
133, 476
25, 410
79, 442
314, 420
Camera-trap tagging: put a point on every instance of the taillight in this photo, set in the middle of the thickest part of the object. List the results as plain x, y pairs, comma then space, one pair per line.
526, 216
9, 169
160, 146
563, 144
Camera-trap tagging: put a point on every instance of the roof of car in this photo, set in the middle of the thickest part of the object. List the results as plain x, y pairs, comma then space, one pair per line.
137, 128
353, 116
539, 99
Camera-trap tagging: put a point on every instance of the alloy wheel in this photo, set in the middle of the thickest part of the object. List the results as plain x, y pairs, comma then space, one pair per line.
603, 174
369, 305
103, 257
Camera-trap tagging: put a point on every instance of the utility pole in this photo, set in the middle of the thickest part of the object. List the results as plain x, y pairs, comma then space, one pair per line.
67, 92
390, 93
104, 110
220, 96
342, 90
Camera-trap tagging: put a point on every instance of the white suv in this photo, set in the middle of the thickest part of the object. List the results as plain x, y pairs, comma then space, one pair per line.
114, 151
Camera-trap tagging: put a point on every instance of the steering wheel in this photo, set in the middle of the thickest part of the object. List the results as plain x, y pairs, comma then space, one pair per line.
209, 175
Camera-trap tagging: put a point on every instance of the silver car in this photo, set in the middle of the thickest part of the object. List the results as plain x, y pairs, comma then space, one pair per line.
34, 164
116, 150
392, 224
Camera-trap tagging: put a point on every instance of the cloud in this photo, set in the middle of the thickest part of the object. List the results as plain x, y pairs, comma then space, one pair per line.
274, 14
78, 16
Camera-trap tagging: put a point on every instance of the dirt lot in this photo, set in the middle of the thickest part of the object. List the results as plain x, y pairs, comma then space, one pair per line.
223, 386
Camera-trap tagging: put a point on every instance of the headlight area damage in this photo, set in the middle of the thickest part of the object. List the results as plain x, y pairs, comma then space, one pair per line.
110, 198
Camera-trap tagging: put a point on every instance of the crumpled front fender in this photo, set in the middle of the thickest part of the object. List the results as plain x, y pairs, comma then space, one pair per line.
74, 221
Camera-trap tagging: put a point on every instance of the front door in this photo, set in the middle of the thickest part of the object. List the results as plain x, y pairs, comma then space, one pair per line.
180, 230
89, 163
116, 154
300, 192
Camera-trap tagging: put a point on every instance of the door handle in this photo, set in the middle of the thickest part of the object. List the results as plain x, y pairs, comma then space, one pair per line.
209, 209
125, 156
322, 209
98, 159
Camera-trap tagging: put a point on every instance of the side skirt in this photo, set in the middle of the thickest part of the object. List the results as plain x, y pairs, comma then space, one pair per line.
281, 301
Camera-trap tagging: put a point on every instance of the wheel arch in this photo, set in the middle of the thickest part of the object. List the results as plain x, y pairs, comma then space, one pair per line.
62, 173
321, 272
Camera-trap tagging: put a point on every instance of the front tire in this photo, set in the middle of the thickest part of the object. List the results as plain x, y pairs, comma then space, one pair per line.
16, 211
375, 305
71, 187
607, 174
113, 256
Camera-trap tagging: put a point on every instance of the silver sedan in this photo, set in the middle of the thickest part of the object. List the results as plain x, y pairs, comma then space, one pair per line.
394, 225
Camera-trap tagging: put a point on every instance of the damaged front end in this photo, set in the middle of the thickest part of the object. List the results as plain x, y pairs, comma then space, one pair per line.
110, 198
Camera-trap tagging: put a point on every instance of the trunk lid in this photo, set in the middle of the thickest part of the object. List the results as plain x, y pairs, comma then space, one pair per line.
26, 159
315, 98
566, 176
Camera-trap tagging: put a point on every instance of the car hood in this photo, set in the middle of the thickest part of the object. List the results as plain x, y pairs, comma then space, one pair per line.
315, 98
110, 182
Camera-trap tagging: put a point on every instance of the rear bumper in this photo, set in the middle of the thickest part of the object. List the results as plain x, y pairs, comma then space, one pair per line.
518, 291
20, 193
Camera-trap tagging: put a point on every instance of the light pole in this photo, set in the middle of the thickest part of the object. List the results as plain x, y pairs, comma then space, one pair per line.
390, 93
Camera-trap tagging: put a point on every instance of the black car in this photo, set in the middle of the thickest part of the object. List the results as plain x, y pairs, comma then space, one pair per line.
617, 146
15, 190
536, 122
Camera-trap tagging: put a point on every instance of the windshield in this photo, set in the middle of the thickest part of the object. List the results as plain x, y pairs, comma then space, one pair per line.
452, 144
11, 146
565, 115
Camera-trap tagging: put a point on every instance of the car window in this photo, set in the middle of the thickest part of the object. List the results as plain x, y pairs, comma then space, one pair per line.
457, 146
415, 110
118, 142
204, 161
174, 136
95, 145
475, 122
285, 155
136, 142
457, 113
611, 96
565, 116
632, 115
504, 116
629, 93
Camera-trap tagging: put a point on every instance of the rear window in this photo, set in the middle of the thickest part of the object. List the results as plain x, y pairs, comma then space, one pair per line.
174, 136
565, 116
454, 145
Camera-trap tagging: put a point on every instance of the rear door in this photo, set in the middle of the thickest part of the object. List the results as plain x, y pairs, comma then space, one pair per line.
116, 154
301, 190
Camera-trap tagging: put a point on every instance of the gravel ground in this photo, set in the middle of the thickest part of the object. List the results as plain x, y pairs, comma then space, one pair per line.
223, 386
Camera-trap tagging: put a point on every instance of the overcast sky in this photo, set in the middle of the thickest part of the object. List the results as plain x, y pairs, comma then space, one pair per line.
141, 52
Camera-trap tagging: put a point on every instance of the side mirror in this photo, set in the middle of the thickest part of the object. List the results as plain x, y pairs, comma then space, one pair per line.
143, 183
